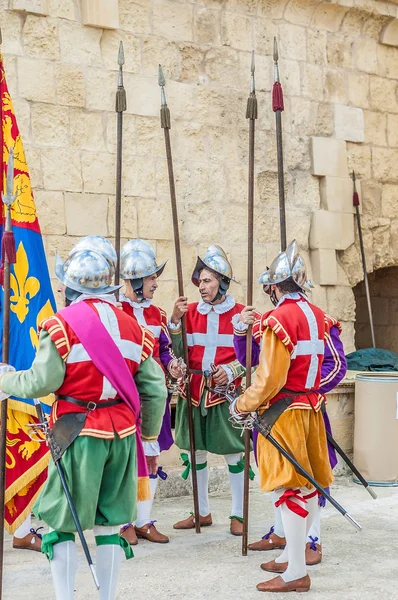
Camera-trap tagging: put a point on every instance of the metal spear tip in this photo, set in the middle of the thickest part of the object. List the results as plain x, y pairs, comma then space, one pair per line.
8, 198
161, 77
120, 58
276, 53
253, 66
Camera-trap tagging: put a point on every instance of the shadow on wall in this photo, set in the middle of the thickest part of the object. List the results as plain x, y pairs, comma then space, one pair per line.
383, 285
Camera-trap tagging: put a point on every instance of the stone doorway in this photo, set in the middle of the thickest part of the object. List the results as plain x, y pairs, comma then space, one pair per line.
383, 285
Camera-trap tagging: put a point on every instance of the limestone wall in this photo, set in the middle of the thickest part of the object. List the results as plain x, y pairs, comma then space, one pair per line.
340, 85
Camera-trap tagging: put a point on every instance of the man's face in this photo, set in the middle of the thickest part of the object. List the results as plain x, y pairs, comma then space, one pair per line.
150, 286
208, 285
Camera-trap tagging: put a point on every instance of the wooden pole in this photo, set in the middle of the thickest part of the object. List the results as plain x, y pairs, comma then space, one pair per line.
278, 107
251, 114
166, 125
121, 105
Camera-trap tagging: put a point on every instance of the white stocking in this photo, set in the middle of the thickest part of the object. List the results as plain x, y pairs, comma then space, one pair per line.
24, 529
144, 508
315, 528
278, 526
63, 569
237, 482
109, 557
296, 528
202, 477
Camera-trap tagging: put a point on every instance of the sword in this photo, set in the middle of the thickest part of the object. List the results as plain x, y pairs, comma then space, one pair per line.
45, 428
253, 422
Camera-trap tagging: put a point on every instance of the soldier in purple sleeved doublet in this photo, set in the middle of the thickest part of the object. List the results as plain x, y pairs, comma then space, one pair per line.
334, 368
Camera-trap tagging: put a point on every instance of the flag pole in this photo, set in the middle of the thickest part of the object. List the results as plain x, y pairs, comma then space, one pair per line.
251, 114
165, 123
120, 107
9, 257
278, 107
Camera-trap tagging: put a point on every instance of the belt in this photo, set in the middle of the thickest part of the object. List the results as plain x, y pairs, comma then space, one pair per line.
90, 406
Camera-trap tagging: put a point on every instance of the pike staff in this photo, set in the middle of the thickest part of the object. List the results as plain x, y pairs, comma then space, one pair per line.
8, 257
121, 106
251, 114
165, 123
365, 273
278, 107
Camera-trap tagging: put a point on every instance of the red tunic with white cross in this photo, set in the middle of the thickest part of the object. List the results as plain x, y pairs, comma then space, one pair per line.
302, 327
83, 381
210, 341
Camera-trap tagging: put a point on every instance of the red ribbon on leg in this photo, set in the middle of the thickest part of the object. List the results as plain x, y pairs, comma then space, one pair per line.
287, 498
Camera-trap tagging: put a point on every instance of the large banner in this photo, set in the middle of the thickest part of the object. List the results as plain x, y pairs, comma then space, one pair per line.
32, 300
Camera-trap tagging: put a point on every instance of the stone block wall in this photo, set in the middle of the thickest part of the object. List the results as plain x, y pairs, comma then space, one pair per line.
339, 70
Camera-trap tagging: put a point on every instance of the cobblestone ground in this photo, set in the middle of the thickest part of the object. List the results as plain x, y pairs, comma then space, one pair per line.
210, 566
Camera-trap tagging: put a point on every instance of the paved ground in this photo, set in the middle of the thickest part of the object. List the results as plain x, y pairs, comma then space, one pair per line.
210, 566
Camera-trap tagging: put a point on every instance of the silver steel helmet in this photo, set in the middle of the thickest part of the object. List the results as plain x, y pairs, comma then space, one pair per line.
136, 264
100, 245
215, 260
137, 244
86, 272
288, 264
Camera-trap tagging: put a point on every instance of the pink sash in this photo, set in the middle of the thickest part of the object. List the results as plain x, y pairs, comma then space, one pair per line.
94, 337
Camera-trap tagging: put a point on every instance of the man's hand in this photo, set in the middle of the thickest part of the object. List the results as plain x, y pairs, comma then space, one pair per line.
153, 464
179, 310
177, 368
247, 315
220, 376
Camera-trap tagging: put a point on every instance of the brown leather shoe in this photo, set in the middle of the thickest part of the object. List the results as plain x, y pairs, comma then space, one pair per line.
278, 585
236, 526
31, 541
129, 534
189, 523
274, 567
313, 553
150, 533
269, 541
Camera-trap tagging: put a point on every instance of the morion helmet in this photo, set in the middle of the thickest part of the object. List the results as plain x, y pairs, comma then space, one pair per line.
100, 245
215, 260
138, 260
85, 272
287, 265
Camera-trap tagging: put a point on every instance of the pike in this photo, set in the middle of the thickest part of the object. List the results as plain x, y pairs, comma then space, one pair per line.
365, 273
56, 456
120, 107
251, 114
278, 107
165, 123
9, 257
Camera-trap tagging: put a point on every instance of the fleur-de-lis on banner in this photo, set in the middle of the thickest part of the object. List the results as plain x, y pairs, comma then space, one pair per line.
24, 288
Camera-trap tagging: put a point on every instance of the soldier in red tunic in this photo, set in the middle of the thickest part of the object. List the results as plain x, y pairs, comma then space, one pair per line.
294, 335
140, 273
94, 382
211, 348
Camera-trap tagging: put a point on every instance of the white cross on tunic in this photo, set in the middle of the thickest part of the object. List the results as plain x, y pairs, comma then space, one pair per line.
128, 349
312, 347
139, 315
211, 340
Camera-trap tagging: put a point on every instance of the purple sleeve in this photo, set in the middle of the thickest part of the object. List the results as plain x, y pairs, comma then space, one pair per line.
165, 352
240, 350
334, 365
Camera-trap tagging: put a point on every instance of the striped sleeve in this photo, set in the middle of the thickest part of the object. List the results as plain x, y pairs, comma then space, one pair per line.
272, 323
148, 343
334, 365
57, 332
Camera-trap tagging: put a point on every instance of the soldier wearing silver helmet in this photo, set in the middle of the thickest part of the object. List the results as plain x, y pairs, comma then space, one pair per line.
212, 361
101, 447
140, 273
301, 358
